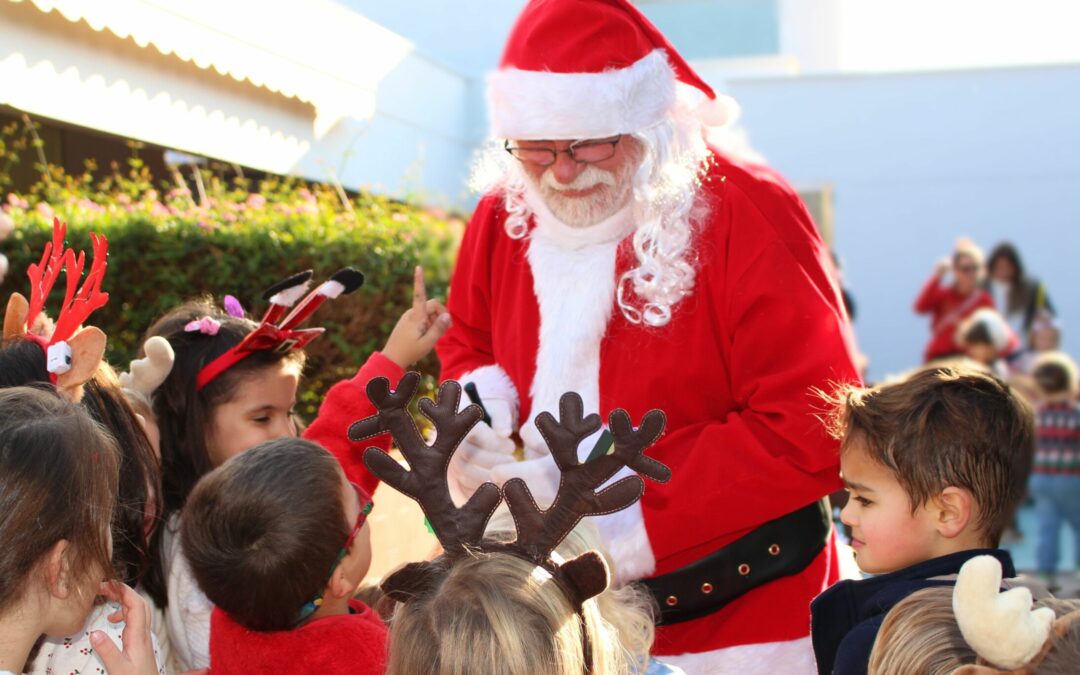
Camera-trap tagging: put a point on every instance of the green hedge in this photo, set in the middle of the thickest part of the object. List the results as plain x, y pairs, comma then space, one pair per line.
165, 245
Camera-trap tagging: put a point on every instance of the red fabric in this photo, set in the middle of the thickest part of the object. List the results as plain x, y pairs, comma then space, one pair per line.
764, 326
350, 644
345, 403
942, 303
588, 36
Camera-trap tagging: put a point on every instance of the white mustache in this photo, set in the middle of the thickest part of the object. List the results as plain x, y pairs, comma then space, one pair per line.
589, 178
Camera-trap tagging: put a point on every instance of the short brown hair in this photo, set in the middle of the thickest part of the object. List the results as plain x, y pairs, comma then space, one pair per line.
58, 481
941, 427
262, 531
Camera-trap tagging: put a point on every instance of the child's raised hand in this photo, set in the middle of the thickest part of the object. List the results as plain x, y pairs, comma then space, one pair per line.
137, 657
419, 328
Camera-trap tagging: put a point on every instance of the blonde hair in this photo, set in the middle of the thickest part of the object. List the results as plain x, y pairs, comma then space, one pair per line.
920, 635
494, 612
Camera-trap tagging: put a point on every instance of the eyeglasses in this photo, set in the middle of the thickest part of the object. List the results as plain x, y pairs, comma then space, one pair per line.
309, 607
585, 151
968, 269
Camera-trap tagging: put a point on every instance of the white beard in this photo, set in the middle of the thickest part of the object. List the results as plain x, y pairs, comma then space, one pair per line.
612, 194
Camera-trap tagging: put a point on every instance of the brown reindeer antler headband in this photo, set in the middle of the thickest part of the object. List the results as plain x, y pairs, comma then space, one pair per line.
539, 532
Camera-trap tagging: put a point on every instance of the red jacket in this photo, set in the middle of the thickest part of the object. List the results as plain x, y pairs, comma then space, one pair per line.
735, 371
948, 309
345, 403
350, 644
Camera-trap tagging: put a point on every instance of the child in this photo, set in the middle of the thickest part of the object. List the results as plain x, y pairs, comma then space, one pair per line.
220, 400
491, 606
934, 466
947, 630
986, 338
25, 360
58, 476
264, 535
1055, 478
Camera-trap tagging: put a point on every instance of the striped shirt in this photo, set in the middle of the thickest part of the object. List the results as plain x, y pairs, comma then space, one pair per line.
1057, 434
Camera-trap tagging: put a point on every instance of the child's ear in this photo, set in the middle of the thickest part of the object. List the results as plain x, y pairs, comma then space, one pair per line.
87, 351
58, 569
15, 316
954, 511
340, 585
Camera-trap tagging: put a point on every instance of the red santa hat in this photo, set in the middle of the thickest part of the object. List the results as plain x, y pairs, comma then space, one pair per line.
588, 69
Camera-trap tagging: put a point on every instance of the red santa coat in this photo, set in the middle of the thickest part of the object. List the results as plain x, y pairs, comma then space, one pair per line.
734, 370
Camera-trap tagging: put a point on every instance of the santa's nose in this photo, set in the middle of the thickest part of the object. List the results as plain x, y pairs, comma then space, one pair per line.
566, 169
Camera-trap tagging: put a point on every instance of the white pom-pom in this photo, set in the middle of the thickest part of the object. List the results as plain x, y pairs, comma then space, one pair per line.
1000, 627
717, 112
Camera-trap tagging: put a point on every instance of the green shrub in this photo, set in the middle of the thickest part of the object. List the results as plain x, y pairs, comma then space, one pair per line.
166, 245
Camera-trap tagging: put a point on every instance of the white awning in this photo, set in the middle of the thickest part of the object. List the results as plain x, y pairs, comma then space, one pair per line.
316, 50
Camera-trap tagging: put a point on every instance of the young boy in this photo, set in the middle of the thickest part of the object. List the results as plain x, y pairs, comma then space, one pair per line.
1055, 479
935, 466
277, 540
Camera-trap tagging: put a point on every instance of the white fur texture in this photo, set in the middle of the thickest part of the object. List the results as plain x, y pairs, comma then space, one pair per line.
532, 105
574, 281
791, 657
491, 382
1000, 627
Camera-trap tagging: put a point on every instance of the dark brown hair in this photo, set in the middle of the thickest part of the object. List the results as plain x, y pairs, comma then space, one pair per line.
58, 481
262, 531
140, 476
22, 363
941, 427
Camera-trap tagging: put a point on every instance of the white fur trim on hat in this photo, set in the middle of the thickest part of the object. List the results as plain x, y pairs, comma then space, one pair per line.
531, 105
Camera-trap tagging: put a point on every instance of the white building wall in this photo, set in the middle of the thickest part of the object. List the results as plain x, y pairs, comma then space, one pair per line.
917, 160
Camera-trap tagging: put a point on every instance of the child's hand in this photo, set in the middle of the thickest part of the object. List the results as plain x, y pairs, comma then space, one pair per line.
419, 328
137, 657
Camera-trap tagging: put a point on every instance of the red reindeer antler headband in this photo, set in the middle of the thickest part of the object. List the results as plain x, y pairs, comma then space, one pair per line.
282, 334
79, 301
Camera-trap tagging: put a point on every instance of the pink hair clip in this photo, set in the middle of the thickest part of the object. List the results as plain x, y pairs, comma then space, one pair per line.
206, 325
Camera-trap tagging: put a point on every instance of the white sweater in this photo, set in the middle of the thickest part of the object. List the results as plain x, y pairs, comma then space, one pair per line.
188, 614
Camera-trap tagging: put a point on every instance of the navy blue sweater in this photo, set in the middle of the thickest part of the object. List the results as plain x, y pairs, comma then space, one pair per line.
845, 618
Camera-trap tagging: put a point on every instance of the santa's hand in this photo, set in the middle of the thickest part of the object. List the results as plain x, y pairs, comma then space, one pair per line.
541, 475
481, 451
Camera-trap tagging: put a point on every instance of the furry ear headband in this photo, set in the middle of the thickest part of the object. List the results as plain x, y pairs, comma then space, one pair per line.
280, 329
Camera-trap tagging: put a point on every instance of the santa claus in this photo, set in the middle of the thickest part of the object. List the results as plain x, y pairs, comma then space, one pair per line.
616, 253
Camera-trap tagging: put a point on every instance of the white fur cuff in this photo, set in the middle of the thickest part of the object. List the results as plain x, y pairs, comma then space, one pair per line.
532, 105
492, 382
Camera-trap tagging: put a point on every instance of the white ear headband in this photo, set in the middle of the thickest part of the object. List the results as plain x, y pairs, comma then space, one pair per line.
148, 373
1001, 627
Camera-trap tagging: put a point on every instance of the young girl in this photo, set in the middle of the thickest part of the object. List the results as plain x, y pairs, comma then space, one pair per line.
205, 420
58, 484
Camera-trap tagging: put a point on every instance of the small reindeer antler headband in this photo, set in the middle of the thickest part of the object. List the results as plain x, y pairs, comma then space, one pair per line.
279, 331
538, 532
79, 303
145, 375
1001, 627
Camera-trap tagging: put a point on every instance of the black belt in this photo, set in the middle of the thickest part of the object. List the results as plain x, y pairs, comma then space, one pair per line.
779, 548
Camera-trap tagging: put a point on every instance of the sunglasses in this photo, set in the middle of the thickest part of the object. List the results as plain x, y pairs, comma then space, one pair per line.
366, 505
